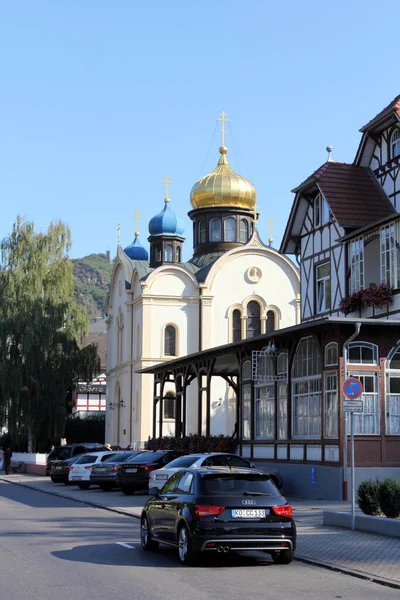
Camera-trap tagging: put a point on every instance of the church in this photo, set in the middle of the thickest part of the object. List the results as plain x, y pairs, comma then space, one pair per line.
234, 287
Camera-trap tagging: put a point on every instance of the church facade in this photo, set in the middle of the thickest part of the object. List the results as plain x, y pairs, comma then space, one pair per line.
159, 308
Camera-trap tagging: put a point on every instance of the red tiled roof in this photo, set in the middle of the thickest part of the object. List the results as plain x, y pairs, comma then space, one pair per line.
353, 193
394, 106
99, 339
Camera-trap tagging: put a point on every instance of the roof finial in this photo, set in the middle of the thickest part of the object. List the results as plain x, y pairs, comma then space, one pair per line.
167, 181
271, 225
119, 233
223, 119
136, 216
255, 214
329, 151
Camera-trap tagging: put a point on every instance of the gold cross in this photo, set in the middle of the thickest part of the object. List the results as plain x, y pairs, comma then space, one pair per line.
119, 233
137, 216
271, 225
167, 181
223, 121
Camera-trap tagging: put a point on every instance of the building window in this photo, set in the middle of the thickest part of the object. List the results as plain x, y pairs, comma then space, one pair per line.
244, 231
331, 402
282, 386
364, 353
331, 354
202, 232
321, 211
168, 253
230, 230
169, 405
253, 321
170, 341
265, 411
158, 253
236, 326
306, 390
178, 254
395, 144
393, 393
215, 230
390, 261
246, 400
270, 324
356, 260
323, 277
367, 422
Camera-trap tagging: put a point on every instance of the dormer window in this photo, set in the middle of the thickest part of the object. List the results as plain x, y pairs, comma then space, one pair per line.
395, 144
321, 211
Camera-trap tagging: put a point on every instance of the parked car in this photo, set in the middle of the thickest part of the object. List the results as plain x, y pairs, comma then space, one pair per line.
60, 453
80, 471
214, 459
134, 474
59, 470
219, 511
104, 474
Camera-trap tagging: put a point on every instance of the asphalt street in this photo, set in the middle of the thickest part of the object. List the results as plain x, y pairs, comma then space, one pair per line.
52, 547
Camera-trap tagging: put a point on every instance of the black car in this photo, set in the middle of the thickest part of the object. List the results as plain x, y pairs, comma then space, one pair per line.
105, 474
60, 453
134, 475
219, 510
59, 470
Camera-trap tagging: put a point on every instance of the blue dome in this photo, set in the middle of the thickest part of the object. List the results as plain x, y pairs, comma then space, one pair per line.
136, 251
166, 222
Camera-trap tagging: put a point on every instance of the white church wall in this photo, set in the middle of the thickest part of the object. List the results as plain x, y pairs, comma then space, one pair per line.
173, 282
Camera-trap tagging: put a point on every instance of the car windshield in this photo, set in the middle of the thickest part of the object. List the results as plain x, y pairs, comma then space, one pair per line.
183, 461
148, 457
237, 484
117, 458
60, 453
86, 458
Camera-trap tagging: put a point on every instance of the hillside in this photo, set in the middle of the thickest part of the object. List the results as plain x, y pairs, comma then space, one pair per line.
92, 279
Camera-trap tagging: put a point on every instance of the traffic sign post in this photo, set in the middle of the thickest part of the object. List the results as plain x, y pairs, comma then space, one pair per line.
352, 389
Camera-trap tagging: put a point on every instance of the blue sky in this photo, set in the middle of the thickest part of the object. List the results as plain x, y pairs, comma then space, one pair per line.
101, 99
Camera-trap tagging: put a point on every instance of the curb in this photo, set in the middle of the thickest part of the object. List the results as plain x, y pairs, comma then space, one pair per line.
298, 558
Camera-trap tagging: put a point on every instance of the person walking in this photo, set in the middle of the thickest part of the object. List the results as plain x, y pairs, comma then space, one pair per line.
1, 458
7, 460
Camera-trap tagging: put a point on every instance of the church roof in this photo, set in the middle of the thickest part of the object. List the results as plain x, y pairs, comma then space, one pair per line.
135, 251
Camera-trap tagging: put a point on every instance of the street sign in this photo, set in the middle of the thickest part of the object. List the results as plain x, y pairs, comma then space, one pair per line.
356, 406
352, 388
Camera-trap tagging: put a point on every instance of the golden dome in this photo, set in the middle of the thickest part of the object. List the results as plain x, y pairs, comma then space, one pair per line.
223, 187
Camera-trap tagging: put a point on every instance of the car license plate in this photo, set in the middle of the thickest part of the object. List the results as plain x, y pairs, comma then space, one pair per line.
248, 513
100, 469
161, 476
130, 470
76, 478
58, 468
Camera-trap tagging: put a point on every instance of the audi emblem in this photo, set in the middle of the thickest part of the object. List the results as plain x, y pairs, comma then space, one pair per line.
249, 502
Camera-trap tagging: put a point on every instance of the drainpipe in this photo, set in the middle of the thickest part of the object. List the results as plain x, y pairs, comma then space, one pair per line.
345, 351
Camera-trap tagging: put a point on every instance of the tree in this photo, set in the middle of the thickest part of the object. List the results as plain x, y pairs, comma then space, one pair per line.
40, 330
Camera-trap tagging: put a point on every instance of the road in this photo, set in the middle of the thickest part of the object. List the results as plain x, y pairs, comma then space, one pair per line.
53, 547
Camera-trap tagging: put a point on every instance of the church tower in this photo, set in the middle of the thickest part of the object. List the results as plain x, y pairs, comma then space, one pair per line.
166, 231
224, 208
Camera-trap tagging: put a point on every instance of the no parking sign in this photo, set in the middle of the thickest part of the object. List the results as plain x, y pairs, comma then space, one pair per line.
352, 388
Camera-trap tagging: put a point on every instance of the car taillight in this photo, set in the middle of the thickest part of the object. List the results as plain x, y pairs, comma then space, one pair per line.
89, 468
205, 510
149, 468
114, 469
66, 468
283, 511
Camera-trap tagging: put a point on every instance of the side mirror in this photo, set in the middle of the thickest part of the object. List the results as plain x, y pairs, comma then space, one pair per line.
153, 491
252, 466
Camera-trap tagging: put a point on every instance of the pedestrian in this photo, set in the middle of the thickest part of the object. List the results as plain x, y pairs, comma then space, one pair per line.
7, 460
1, 458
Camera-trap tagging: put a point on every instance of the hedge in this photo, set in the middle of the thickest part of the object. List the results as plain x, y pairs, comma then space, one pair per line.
193, 443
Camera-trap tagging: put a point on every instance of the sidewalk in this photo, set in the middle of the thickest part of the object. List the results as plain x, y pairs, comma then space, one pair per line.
356, 553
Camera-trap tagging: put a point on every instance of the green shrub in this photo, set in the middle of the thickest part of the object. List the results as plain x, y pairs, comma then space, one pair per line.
389, 498
193, 443
368, 497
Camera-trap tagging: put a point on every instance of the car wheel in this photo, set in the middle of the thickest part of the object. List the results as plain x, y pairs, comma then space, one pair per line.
147, 543
53, 480
128, 491
84, 486
185, 550
282, 558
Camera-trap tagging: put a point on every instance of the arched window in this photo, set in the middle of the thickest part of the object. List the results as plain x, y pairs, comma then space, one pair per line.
230, 230
363, 353
393, 392
178, 254
395, 144
253, 323
169, 405
170, 341
331, 354
306, 390
236, 326
244, 231
168, 253
270, 325
215, 230
158, 253
201, 228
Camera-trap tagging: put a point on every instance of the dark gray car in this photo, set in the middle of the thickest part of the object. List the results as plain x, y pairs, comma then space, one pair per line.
105, 474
